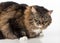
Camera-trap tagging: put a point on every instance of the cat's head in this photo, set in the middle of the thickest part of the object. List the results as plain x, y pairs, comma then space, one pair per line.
41, 16
37, 17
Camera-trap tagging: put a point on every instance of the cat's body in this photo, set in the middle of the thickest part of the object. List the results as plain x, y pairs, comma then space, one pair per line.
18, 20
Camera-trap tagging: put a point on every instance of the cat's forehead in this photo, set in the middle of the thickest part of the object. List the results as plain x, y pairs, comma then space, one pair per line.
40, 9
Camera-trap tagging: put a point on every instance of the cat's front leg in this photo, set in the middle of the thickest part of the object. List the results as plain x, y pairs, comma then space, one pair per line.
7, 33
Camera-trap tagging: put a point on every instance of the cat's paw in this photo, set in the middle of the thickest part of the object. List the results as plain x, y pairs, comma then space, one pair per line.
23, 38
41, 34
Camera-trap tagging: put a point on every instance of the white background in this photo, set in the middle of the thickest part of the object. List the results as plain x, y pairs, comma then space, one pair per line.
52, 33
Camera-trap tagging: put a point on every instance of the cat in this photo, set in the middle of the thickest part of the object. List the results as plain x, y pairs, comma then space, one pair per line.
18, 20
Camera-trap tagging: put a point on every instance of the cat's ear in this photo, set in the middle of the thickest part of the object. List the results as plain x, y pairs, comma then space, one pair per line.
49, 12
33, 10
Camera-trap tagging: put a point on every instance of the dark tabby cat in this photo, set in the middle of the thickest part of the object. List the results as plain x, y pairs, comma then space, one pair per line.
18, 20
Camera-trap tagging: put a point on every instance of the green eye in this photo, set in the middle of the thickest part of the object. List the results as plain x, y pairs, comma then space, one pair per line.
45, 19
36, 20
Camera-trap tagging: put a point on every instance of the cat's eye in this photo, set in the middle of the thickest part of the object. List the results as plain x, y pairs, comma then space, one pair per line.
45, 18
35, 20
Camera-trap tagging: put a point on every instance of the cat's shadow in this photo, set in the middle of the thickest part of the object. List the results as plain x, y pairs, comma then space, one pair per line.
33, 40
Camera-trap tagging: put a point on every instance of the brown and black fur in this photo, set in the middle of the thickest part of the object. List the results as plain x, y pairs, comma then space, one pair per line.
16, 20
10, 11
